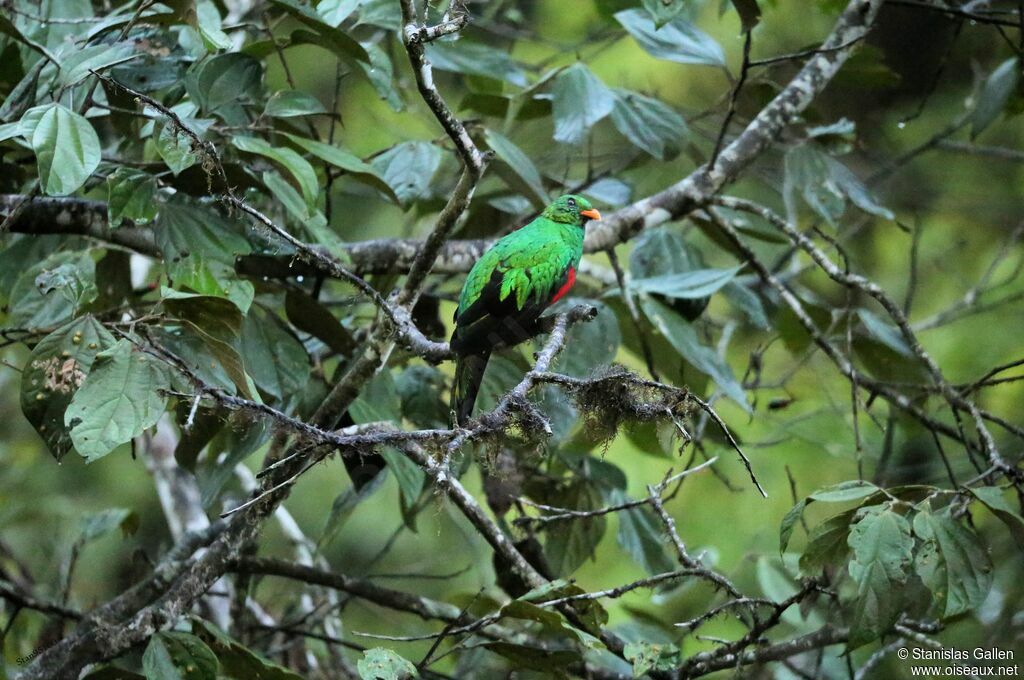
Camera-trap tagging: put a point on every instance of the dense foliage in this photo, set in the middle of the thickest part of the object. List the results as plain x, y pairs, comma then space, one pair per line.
233, 233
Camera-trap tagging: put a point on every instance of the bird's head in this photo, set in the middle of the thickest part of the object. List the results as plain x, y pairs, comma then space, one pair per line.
571, 209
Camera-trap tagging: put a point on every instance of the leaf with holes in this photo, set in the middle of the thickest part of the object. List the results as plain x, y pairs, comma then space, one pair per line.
882, 556
53, 373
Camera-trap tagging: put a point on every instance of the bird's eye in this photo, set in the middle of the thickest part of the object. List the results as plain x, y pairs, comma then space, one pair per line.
572, 203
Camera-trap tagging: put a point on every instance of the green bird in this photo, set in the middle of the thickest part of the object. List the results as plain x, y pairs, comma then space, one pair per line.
509, 287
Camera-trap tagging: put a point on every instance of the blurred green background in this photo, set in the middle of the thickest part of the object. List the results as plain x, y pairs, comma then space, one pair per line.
964, 207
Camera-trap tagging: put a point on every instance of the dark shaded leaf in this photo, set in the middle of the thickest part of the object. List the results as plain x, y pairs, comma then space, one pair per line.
226, 79
992, 498
334, 39
174, 655
952, 562
642, 535
272, 355
310, 316
237, 661
882, 555
750, 13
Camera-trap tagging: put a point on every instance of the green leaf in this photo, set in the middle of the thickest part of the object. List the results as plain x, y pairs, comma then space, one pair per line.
579, 100
569, 544
30, 120
120, 398
360, 170
650, 656
992, 498
237, 661
226, 79
291, 161
309, 316
175, 148
952, 562
67, 150
590, 345
381, 73
882, 554
885, 332
683, 338
789, 523
131, 195
383, 664
292, 103
678, 40
408, 168
8, 27
827, 543
661, 251
408, 474
534, 658
747, 301
378, 402
76, 64
519, 163
210, 27
650, 124
421, 389
174, 655
996, 92
642, 535
97, 524
825, 184
217, 322
845, 491
691, 285
334, 39
50, 292
336, 11
54, 371
750, 13
275, 359
476, 59
187, 233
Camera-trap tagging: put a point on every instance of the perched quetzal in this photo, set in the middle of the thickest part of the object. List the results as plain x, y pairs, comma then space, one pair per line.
509, 287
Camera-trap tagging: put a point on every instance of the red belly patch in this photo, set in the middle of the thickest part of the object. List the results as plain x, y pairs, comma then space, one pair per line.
569, 281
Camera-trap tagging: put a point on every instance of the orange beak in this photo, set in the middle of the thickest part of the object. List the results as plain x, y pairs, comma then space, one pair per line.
592, 214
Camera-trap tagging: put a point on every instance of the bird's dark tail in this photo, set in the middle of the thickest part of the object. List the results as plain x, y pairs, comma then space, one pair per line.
469, 374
